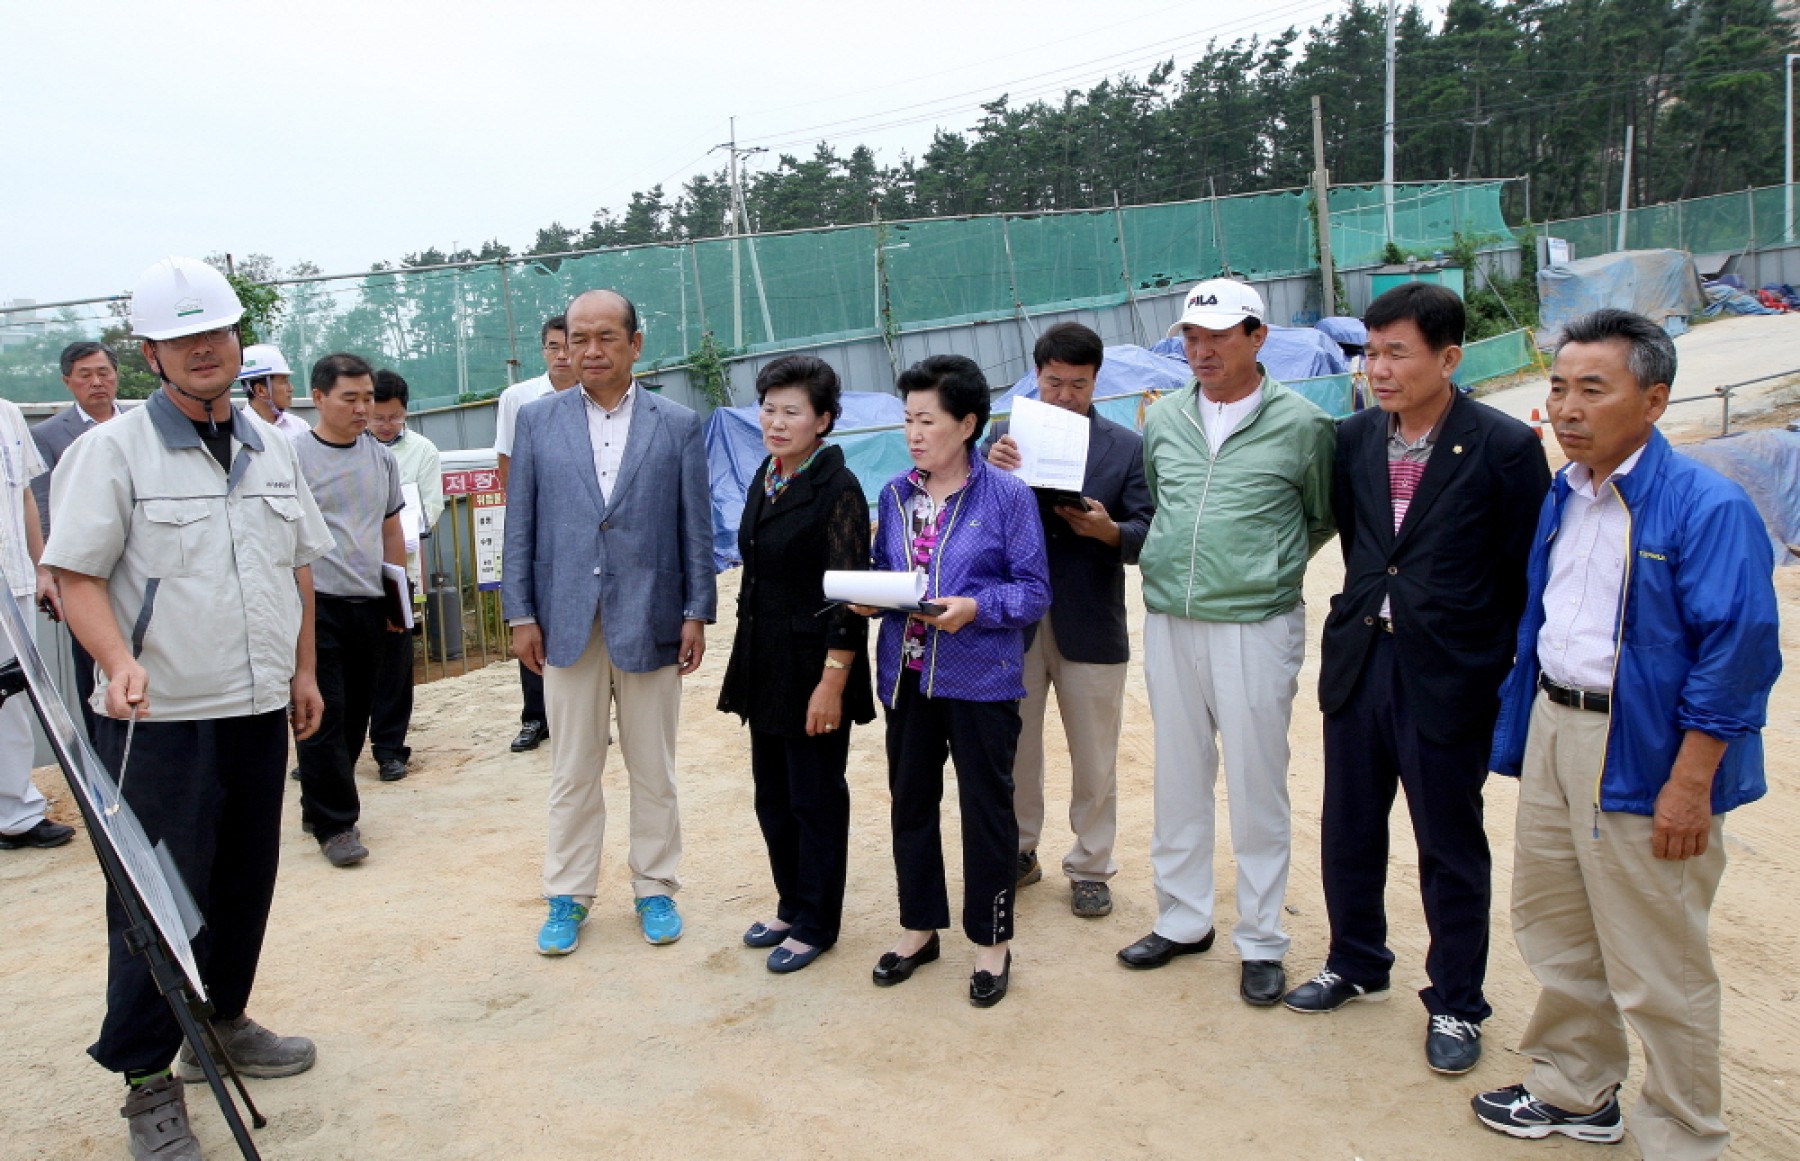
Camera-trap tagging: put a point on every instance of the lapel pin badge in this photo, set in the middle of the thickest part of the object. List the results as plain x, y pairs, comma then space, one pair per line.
1457, 449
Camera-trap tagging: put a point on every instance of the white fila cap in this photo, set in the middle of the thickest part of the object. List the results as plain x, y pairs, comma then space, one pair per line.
1218, 304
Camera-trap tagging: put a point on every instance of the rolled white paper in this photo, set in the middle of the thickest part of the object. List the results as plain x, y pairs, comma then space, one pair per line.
880, 590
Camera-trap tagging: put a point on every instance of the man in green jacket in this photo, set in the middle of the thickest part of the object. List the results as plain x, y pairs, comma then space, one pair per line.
1240, 470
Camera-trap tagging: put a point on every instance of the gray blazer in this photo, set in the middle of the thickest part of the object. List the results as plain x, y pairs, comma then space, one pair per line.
53, 437
643, 563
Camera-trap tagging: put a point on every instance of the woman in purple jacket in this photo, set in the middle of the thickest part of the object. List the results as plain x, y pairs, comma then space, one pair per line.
952, 681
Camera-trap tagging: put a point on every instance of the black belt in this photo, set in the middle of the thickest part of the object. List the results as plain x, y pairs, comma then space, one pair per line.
1600, 703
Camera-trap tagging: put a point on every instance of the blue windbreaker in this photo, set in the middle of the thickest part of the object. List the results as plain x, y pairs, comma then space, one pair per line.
1698, 638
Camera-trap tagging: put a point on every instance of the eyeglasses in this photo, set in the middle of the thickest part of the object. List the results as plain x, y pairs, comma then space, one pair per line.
218, 336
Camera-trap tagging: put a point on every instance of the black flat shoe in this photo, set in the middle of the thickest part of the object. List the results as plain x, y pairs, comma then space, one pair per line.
782, 961
762, 935
1153, 951
894, 969
987, 989
531, 734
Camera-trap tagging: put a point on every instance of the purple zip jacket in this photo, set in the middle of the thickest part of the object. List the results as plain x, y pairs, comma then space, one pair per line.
991, 549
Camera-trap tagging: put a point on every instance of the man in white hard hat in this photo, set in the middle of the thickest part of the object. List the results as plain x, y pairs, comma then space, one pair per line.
1239, 469
269, 389
182, 547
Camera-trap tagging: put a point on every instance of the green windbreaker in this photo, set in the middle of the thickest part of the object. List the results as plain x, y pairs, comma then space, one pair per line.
1232, 534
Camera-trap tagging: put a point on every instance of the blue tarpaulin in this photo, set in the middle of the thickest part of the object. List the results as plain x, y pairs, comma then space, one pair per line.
1288, 353
1765, 464
1661, 285
734, 450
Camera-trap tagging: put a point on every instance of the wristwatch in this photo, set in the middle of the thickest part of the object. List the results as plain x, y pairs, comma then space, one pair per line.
834, 663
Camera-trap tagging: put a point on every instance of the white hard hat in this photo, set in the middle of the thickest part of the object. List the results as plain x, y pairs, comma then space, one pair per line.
1218, 304
262, 360
182, 296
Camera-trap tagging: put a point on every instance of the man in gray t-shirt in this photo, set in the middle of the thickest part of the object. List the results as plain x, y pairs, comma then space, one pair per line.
357, 485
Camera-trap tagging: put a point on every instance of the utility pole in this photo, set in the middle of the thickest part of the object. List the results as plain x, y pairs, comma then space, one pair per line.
1625, 188
1322, 203
1475, 124
740, 224
1787, 140
1387, 133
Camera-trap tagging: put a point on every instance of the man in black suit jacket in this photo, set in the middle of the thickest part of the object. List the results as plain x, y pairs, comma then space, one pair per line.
1081, 647
1437, 499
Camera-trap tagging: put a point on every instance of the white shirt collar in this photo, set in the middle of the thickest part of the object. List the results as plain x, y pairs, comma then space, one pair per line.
1581, 479
625, 401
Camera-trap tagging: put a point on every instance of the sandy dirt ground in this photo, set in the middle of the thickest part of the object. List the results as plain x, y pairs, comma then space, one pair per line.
443, 1034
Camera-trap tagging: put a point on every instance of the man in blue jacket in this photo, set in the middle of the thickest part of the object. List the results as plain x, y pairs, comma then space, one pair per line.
1633, 716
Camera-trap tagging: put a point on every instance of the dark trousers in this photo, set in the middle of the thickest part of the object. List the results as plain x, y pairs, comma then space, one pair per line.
803, 807
981, 738
532, 685
84, 683
211, 792
350, 636
1371, 745
391, 715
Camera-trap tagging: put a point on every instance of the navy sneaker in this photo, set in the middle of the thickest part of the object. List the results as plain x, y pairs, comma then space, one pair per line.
561, 933
1452, 1045
662, 923
1328, 991
1515, 1112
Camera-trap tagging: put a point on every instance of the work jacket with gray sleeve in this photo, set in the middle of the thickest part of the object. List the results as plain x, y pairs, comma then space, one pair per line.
199, 563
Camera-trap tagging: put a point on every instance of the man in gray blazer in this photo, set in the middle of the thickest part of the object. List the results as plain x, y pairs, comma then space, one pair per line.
608, 584
90, 373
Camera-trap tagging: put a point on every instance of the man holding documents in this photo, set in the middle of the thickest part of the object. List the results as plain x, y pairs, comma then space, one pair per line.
1240, 471
422, 485
1094, 525
357, 485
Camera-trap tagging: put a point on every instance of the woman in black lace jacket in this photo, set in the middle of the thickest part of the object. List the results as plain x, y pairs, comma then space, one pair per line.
799, 670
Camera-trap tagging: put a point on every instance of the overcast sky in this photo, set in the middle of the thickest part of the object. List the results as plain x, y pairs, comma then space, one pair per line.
350, 132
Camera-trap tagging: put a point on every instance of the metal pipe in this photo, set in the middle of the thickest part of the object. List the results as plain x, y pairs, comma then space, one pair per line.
1625, 189
1787, 228
1387, 134
1137, 312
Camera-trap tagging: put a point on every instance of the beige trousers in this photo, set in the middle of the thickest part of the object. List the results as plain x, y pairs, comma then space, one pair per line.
1616, 936
578, 700
1091, 699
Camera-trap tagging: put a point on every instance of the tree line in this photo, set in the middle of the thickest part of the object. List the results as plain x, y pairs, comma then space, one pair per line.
1537, 89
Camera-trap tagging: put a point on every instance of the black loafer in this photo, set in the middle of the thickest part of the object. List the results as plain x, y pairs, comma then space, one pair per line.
1153, 951
530, 734
762, 935
1262, 982
391, 769
43, 835
894, 969
987, 989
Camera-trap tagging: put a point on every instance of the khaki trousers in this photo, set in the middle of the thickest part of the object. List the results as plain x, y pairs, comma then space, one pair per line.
1616, 936
1091, 699
579, 700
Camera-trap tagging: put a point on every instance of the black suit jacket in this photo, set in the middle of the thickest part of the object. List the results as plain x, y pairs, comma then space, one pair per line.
1087, 578
1454, 573
53, 437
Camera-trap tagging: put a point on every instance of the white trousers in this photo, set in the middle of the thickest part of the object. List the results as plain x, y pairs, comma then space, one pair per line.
578, 700
21, 805
1216, 685
1091, 699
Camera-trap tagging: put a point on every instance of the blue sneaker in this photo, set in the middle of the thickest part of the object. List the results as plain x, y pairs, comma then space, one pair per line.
561, 933
662, 923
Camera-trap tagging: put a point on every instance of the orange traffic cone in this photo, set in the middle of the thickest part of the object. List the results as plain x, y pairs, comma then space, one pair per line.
1537, 424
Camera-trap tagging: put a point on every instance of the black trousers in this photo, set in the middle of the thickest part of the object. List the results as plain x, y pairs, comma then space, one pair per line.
84, 683
349, 636
391, 715
803, 807
981, 738
532, 685
1372, 745
211, 791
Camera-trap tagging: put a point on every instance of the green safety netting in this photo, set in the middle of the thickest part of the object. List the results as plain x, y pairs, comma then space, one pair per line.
1719, 224
1426, 218
1487, 359
453, 333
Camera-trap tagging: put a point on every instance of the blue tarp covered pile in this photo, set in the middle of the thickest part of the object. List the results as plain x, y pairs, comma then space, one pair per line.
1659, 284
1767, 465
1288, 353
1723, 297
734, 450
